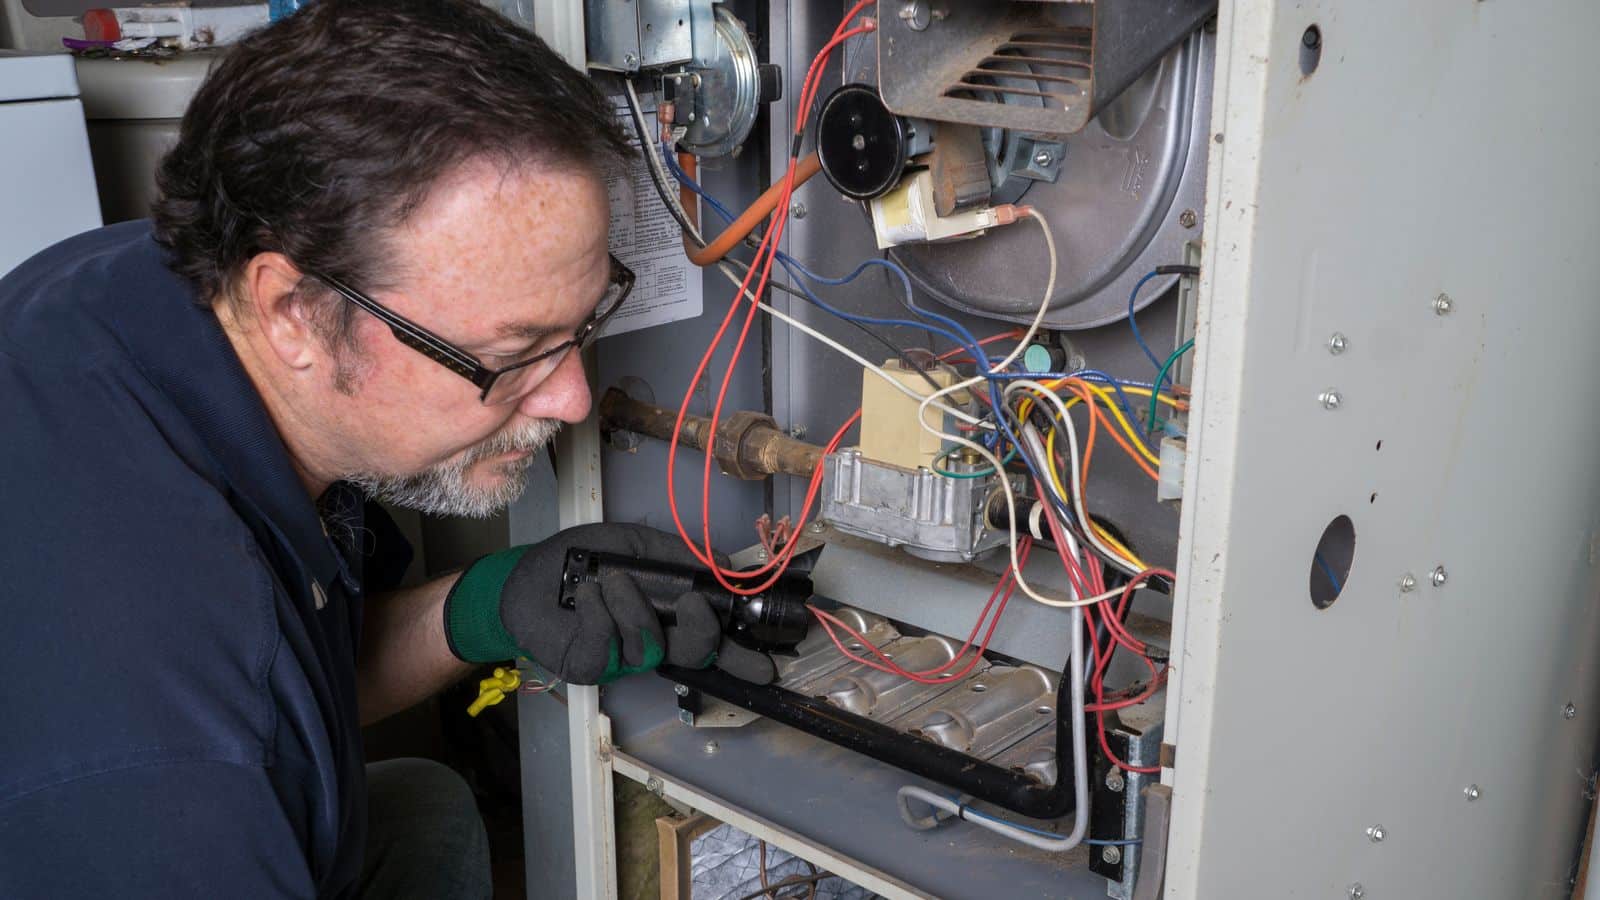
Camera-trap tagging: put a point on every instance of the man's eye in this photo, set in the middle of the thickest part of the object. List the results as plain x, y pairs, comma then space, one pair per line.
501, 360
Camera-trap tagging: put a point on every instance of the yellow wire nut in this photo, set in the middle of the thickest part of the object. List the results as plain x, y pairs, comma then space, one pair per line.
494, 689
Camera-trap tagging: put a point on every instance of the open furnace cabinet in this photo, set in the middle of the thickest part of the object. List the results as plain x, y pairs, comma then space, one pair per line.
1383, 633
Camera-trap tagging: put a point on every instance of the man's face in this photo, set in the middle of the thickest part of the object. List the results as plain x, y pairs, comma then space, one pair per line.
502, 263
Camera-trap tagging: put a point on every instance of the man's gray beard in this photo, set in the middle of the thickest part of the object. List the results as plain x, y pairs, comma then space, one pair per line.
442, 490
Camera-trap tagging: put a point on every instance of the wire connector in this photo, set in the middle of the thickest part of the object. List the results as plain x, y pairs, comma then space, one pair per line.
1009, 213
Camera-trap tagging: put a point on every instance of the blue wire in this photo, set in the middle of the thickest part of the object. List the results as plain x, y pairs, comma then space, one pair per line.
970, 343
686, 181
1133, 296
969, 811
954, 331
1328, 571
796, 271
1116, 387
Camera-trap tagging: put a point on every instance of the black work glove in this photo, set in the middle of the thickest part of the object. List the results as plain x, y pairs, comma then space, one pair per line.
508, 604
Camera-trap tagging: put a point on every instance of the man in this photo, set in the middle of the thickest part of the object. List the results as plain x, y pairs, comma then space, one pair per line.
380, 242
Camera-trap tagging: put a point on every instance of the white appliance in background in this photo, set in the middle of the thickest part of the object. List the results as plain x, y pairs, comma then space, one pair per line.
46, 177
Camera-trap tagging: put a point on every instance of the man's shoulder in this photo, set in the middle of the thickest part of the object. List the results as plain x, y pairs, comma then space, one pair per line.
69, 306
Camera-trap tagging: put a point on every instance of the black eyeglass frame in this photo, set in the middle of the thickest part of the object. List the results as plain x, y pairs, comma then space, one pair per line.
465, 364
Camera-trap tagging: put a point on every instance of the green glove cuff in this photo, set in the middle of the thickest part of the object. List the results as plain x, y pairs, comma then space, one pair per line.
472, 624
654, 653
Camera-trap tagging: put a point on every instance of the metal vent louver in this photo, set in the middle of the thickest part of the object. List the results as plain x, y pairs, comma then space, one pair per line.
1002, 65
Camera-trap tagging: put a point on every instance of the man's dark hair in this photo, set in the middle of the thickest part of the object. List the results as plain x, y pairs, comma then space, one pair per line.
317, 135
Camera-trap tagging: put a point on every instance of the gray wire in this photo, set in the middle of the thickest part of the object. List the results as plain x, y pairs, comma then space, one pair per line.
1080, 772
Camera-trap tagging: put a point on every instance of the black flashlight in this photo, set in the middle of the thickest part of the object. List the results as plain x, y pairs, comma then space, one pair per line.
774, 620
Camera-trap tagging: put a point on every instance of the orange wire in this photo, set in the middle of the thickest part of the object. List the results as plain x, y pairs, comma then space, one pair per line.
1098, 414
769, 244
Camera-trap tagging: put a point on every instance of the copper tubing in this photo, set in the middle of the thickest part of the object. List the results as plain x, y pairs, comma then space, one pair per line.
746, 445
758, 211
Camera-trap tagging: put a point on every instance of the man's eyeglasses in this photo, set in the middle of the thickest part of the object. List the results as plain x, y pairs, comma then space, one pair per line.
495, 385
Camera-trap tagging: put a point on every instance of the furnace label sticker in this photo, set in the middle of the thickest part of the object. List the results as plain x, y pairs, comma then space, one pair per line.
645, 237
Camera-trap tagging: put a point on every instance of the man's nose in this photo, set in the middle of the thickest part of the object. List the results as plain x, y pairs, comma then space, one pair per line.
564, 395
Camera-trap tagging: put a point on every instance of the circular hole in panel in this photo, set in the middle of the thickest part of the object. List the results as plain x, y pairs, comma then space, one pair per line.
1331, 560
1310, 50
1378, 446
1373, 498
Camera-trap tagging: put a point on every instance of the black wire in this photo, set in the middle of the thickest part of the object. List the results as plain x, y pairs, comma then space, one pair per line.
689, 232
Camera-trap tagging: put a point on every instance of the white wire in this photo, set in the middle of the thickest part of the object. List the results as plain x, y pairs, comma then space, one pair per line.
860, 360
1044, 307
1030, 436
653, 160
994, 461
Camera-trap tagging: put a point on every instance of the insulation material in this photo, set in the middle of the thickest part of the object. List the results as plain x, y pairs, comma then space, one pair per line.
726, 865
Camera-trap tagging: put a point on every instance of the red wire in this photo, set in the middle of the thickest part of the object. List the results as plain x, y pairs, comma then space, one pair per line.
1080, 583
889, 665
766, 250
1119, 636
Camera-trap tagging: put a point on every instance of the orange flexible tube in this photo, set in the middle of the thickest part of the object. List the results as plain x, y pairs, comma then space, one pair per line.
713, 252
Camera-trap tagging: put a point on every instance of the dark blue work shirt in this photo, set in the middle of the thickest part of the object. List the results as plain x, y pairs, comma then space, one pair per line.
177, 653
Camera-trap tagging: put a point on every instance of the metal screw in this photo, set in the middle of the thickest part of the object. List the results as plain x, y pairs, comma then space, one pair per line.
686, 717
1375, 833
691, 115
653, 785
815, 527
1355, 891
682, 690
711, 747
1114, 781
1442, 305
1187, 218
1472, 792
1569, 711
1313, 39
1337, 343
1044, 158
1330, 399
1408, 583
1112, 855
630, 60
797, 210
1438, 576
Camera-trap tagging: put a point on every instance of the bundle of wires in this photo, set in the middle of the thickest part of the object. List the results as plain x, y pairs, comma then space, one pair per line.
1017, 422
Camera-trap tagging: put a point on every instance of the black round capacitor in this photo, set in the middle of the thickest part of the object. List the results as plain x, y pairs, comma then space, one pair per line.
861, 144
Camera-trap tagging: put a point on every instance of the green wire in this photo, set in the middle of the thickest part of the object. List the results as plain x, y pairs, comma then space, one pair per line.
982, 473
1155, 393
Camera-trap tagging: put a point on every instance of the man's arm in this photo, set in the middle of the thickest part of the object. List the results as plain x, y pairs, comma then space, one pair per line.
404, 657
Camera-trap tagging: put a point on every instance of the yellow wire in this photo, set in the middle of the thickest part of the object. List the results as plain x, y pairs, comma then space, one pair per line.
1145, 392
1055, 478
1137, 440
1105, 398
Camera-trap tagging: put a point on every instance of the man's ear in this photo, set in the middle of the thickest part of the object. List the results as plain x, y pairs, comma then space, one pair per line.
283, 318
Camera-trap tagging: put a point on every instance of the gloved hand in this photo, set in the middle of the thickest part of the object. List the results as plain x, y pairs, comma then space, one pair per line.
507, 604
